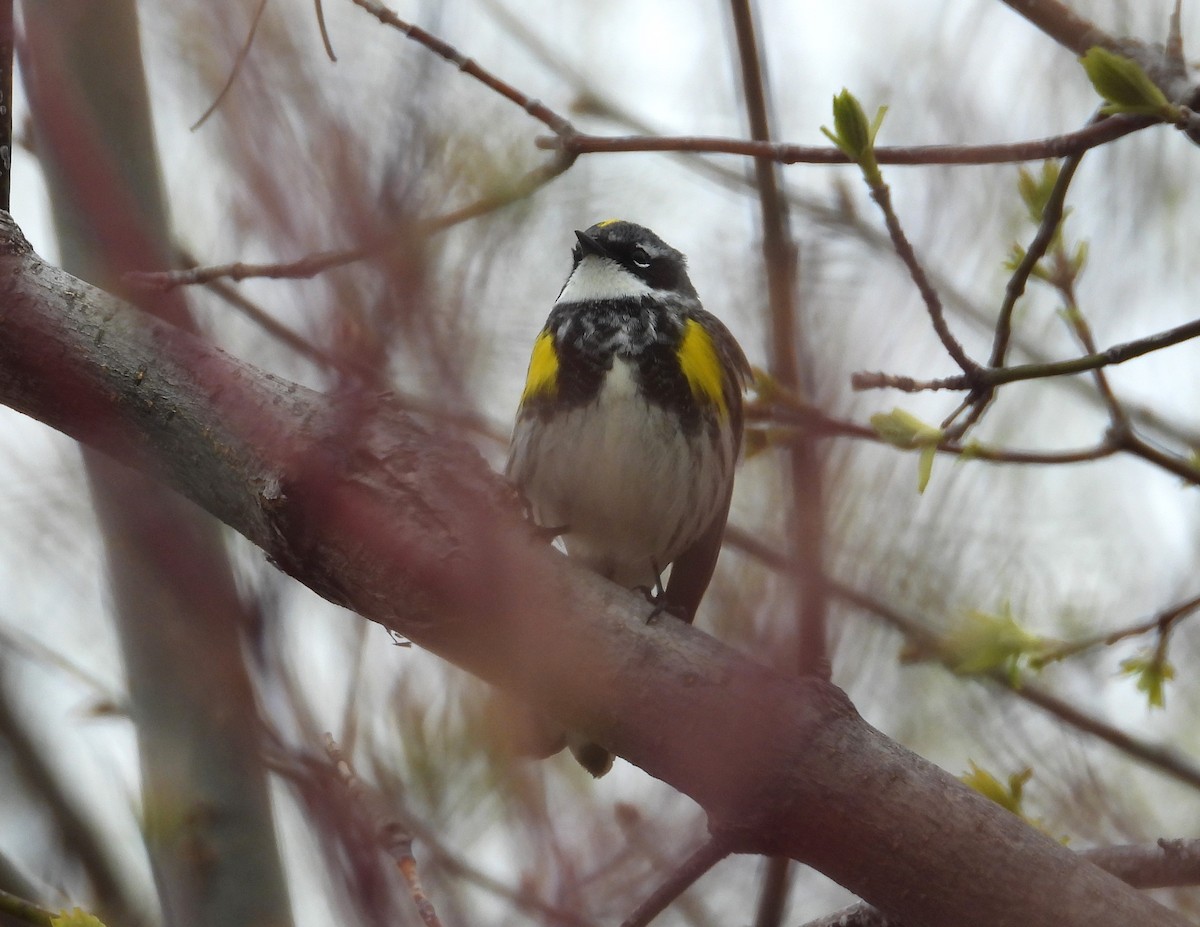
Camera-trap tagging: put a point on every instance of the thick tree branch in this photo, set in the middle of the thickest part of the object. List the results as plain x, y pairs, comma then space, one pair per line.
1063, 25
410, 528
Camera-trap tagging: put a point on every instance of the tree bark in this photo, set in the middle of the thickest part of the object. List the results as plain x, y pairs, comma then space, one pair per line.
408, 527
206, 809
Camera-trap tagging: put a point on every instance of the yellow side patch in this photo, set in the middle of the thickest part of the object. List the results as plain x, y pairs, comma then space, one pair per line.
701, 365
542, 379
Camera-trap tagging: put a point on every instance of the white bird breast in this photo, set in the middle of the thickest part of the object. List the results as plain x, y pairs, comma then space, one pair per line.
633, 490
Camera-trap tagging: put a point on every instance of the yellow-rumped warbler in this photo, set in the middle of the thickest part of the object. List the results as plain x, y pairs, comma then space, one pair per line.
630, 423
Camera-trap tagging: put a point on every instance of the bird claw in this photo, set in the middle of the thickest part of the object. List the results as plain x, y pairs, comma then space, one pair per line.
657, 596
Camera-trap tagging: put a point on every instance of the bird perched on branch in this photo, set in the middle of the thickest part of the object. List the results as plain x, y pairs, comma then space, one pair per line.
630, 424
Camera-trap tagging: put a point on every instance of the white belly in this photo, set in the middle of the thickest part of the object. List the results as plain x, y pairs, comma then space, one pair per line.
631, 489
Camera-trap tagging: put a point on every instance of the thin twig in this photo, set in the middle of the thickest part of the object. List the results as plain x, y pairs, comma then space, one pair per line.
916, 270
1056, 146
319, 9
1051, 218
1184, 468
1165, 759
781, 263
399, 845
236, 69
690, 909
806, 521
314, 264
538, 110
392, 834
77, 835
1163, 623
995, 376
1162, 758
1083, 332
817, 423
593, 100
683, 878
299, 770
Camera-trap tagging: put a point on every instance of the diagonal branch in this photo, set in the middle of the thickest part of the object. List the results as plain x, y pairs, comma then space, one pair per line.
1062, 24
997, 376
409, 528
557, 124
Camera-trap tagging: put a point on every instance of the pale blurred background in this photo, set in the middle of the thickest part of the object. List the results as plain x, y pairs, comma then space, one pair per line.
304, 155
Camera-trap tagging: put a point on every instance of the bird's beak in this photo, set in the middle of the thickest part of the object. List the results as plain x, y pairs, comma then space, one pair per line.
590, 245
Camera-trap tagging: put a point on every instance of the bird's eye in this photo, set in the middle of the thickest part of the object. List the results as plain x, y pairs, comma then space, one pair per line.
639, 257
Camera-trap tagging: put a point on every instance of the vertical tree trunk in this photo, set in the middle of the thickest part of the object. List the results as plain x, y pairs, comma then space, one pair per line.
206, 806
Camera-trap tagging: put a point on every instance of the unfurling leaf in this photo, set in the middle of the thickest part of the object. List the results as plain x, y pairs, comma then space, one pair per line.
1123, 83
1152, 671
854, 135
994, 790
984, 642
905, 430
1008, 796
1035, 191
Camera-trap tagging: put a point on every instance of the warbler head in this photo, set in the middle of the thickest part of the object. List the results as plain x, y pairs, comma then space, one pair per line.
618, 260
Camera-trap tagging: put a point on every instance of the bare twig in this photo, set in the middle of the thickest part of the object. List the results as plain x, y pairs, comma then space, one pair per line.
1163, 623
933, 303
695, 866
1057, 146
76, 834
817, 423
313, 264
236, 69
392, 834
1184, 468
806, 521
987, 377
781, 264
300, 771
319, 10
1052, 216
1083, 332
538, 110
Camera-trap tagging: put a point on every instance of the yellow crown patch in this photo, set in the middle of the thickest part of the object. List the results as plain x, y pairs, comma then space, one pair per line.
700, 364
606, 223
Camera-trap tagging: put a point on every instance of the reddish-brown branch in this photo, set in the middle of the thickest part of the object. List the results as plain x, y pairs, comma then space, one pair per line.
236, 68
314, 264
409, 528
1165, 864
1063, 25
1058, 146
557, 124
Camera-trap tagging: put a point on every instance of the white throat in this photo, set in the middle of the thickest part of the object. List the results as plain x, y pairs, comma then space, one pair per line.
600, 278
